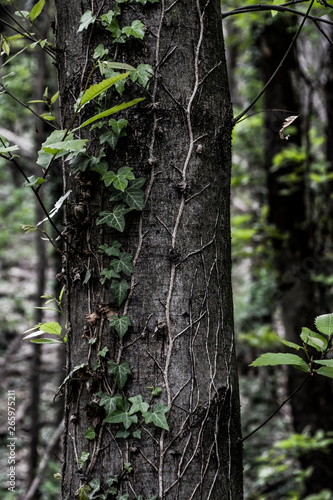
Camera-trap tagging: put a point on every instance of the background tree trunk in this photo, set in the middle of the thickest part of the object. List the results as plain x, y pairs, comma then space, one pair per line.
180, 301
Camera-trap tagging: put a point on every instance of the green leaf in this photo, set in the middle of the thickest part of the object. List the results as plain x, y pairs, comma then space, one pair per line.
119, 290
118, 125
289, 344
123, 263
54, 97
156, 392
122, 434
313, 339
120, 179
84, 457
325, 362
113, 250
66, 145
120, 324
110, 137
51, 327
95, 484
120, 372
135, 198
86, 19
118, 65
45, 341
33, 181
324, 323
109, 402
111, 111
121, 417
6, 149
138, 405
136, 29
114, 219
36, 10
272, 359
326, 371
142, 74
103, 352
136, 434
91, 434
100, 52
157, 416
96, 89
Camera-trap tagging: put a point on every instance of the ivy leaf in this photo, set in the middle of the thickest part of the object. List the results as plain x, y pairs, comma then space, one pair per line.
120, 372
86, 19
109, 402
100, 52
111, 111
157, 416
313, 339
119, 290
120, 324
137, 434
123, 263
91, 434
120, 179
67, 145
135, 198
324, 323
136, 29
273, 358
95, 484
36, 10
138, 405
118, 126
142, 74
110, 137
122, 434
96, 89
121, 417
113, 250
116, 218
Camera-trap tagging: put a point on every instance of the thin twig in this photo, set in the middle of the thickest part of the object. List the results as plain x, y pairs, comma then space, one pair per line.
278, 409
277, 69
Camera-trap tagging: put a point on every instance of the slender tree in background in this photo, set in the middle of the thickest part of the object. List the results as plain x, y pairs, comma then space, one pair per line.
178, 306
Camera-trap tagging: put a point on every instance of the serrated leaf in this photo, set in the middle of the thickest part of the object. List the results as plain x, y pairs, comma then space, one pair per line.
138, 405
86, 19
36, 10
313, 339
33, 181
120, 372
324, 323
289, 344
157, 416
111, 111
51, 327
273, 359
96, 89
119, 290
121, 325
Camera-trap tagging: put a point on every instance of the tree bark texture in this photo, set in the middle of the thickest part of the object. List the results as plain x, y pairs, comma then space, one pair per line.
180, 301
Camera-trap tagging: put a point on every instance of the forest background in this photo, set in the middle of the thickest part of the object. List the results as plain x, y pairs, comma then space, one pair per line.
282, 247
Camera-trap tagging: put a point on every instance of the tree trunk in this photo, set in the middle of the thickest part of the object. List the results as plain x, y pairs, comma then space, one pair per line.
179, 301
297, 255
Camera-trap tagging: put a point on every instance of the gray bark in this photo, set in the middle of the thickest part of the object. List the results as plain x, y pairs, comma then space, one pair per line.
180, 301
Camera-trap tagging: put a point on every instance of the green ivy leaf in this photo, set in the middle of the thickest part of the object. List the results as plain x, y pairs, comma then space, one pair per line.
121, 417
86, 19
273, 358
136, 29
100, 52
95, 484
109, 402
114, 219
120, 324
84, 457
122, 434
138, 405
135, 198
113, 250
111, 111
91, 434
324, 323
36, 10
120, 179
120, 372
142, 74
66, 145
110, 137
119, 290
96, 89
123, 264
157, 416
